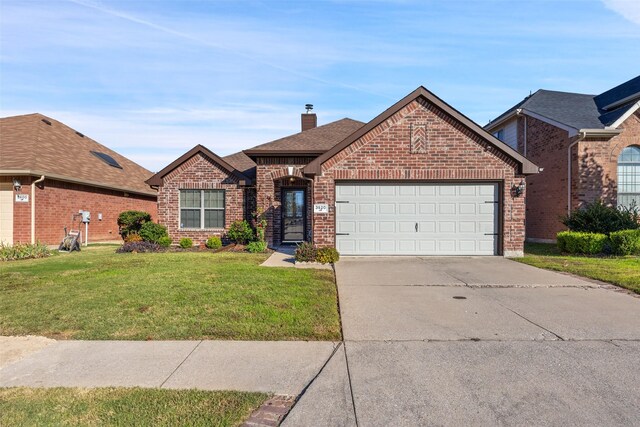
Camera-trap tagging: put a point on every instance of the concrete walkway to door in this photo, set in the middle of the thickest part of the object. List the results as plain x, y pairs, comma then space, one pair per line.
476, 341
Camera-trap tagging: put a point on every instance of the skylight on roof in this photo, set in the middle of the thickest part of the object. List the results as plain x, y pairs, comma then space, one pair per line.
107, 159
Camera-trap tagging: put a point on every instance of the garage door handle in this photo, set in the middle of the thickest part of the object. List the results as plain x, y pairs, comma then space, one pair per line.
416, 227
490, 234
342, 234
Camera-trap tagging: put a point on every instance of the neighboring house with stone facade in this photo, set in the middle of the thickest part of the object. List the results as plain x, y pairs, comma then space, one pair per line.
49, 172
419, 179
587, 146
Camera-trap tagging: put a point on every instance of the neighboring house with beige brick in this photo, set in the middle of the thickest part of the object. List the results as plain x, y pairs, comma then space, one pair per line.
419, 179
587, 146
50, 172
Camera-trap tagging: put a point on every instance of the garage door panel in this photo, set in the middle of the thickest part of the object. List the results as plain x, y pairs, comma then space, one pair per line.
452, 219
406, 208
387, 208
387, 226
427, 208
366, 208
345, 209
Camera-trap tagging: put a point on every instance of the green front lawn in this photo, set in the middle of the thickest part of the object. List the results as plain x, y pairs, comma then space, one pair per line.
124, 407
621, 271
97, 294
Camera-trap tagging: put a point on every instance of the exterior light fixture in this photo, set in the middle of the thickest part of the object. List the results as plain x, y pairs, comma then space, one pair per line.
518, 189
17, 185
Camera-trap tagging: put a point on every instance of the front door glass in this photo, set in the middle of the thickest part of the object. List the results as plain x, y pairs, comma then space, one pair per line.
293, 215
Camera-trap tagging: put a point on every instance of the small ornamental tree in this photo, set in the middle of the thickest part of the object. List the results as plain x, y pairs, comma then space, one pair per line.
130, 222
261, 224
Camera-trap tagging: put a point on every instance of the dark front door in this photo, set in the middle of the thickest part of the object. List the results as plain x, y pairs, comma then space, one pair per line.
293, 215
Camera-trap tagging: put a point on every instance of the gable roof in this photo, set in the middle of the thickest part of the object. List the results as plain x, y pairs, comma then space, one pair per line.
579, 111
34, 144
156, 180
526, 166
311, 142
243, 163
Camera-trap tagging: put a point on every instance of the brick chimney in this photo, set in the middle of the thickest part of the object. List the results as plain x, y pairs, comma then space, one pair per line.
309, 120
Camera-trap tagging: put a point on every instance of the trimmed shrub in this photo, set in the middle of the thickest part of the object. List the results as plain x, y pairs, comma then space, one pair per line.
625, 242
257, 247
131, 222
306, 252
186, 243
214, 242
599, 218
165, 241
575, 242
136, 247
133, 237
152, 232
240, 232
23, 251
327, 256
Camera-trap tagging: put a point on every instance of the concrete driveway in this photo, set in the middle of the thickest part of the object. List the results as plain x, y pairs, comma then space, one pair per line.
476, 341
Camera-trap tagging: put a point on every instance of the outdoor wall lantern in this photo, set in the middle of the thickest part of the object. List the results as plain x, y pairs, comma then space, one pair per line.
17, 185
518, 189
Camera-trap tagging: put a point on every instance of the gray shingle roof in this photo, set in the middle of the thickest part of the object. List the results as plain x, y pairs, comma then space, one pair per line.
579, 111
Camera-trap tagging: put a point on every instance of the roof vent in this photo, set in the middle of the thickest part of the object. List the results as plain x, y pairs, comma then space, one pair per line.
47, 121
81, 135
107, 159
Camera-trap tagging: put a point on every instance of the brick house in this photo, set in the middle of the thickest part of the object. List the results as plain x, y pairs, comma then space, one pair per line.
587, 146
419, 179
49, 172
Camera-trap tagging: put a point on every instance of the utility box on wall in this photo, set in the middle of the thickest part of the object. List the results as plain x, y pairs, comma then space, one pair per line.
86, 217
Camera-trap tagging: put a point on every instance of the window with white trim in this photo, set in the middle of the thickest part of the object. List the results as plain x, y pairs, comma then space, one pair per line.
629, 177
499, 134
202, 208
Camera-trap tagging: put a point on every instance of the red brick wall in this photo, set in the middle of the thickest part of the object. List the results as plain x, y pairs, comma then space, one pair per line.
272, 176
56, 202
599, 163
594, 172
199, 172
546, 198
452, 153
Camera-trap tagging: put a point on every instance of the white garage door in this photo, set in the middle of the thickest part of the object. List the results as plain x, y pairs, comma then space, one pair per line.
416, 219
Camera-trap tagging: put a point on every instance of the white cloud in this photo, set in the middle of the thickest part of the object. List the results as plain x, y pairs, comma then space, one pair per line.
628, 9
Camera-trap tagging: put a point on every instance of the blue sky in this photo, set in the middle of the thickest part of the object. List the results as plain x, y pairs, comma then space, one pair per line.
151, 79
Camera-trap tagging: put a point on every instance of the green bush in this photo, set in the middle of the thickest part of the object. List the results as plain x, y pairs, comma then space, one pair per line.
214, 242
131, 222
625, 242
599, 218
306, 252
152, 232
23, 251
186, 243
240, 232
257, 247
575, 242
327, 256
165, 241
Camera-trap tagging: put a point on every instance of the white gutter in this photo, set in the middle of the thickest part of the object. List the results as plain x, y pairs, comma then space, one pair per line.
33, 208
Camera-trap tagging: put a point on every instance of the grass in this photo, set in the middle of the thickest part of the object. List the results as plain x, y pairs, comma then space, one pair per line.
124, 406
621, 271
98, 295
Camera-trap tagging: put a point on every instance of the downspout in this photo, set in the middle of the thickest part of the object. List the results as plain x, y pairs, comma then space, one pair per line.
33, 208
582, 136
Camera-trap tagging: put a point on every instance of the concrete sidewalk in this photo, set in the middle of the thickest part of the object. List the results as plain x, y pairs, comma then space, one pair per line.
281, 367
